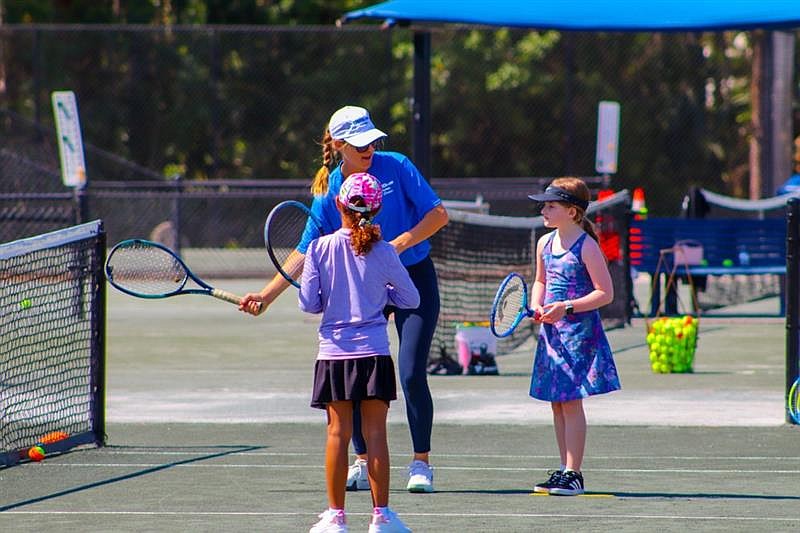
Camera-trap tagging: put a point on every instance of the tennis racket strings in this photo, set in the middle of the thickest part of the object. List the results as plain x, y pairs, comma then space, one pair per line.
510, 305
146, 269
284, 230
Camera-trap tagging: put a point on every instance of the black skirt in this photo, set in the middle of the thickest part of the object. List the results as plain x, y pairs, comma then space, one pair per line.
363, 378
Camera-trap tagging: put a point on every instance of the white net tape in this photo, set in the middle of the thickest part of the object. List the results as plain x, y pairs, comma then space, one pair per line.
740, 204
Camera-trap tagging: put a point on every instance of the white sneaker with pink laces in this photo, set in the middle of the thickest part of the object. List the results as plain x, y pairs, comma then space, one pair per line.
331, 521
386, 521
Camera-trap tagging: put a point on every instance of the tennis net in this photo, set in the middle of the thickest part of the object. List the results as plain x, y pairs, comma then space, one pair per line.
52, 329
474, 252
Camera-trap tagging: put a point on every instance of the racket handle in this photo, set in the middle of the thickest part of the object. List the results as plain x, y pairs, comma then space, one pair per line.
230, 297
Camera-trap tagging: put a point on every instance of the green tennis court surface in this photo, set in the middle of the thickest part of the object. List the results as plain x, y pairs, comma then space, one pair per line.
209, 429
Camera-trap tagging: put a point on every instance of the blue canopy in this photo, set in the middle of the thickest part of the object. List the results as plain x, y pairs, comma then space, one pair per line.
592, 15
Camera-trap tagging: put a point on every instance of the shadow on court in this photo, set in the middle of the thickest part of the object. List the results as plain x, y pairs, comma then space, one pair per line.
126, 477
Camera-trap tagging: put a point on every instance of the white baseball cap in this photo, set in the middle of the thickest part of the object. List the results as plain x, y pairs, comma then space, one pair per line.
353, 124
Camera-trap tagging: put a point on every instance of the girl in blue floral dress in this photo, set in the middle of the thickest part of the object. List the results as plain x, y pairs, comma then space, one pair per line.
573, 359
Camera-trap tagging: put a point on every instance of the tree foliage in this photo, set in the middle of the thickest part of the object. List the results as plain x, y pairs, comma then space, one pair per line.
246, 94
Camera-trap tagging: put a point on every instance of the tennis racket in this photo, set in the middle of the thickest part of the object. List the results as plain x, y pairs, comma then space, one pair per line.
286, 225
510, 306
147, 269
793, 402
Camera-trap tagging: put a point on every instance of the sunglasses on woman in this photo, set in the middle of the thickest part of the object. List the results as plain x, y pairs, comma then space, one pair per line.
377, 145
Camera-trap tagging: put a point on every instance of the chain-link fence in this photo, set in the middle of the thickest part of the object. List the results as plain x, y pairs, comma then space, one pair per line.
252, 102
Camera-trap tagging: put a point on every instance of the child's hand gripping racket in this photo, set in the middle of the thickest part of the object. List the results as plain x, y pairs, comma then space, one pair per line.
510, 306
286, 226
147, 269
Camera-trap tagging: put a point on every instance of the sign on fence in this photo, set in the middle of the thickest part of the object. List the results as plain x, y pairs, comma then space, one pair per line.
70, 140
607, 137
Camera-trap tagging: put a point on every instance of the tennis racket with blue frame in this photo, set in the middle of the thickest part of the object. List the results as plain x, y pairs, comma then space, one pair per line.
147, 269
793, 401
510, 306
287, 225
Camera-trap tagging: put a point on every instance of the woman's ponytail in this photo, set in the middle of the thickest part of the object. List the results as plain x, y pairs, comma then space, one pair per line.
319, 186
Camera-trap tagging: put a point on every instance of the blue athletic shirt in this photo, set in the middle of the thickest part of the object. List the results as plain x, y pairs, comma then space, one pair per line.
407, 198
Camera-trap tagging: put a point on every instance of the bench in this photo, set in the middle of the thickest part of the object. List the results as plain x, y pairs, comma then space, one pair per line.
722, 240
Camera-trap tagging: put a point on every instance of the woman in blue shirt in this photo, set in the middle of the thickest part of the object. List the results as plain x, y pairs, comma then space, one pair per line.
411, 213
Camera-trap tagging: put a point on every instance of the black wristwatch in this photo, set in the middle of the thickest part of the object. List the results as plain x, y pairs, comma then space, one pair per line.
569, 308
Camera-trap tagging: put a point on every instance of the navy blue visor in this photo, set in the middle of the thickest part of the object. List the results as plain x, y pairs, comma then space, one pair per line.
557, 194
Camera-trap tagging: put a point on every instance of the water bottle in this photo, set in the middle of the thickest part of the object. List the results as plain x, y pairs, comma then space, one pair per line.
744, 257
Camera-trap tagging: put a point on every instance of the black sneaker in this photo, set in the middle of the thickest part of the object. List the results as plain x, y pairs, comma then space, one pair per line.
545, 486
483, 364
570, 483
444, 366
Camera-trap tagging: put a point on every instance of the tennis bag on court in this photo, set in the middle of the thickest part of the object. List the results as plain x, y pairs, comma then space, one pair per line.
476, 349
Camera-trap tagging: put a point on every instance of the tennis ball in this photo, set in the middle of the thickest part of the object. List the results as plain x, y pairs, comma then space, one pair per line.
36, 453
25, 304
727, 262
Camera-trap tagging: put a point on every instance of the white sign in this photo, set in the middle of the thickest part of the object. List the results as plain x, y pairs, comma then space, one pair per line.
607, 137
70, 141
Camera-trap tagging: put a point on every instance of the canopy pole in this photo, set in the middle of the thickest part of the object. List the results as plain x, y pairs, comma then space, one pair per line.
421, 103
771, 147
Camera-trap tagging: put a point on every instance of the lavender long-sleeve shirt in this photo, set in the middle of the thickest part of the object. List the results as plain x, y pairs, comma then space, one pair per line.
351, 291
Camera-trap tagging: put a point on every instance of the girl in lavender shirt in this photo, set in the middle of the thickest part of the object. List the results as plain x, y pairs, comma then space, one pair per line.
350, 276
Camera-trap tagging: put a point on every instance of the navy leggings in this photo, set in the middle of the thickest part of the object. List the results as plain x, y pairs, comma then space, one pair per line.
415, 329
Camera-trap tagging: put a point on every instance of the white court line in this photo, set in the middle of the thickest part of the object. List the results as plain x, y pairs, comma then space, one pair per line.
467, 468
604, 516
315, 451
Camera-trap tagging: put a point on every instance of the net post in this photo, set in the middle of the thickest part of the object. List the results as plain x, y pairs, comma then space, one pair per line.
792, 298
177, 180
98, 355
81, 195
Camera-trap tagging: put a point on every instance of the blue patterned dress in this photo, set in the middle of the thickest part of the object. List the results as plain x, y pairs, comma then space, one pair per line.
573, 359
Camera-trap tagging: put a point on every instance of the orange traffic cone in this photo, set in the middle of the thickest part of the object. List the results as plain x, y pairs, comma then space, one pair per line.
638, 206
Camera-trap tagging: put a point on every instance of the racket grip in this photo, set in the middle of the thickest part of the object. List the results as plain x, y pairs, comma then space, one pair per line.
230, 297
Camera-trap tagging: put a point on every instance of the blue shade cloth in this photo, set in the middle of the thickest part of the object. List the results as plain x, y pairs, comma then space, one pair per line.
592, 15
